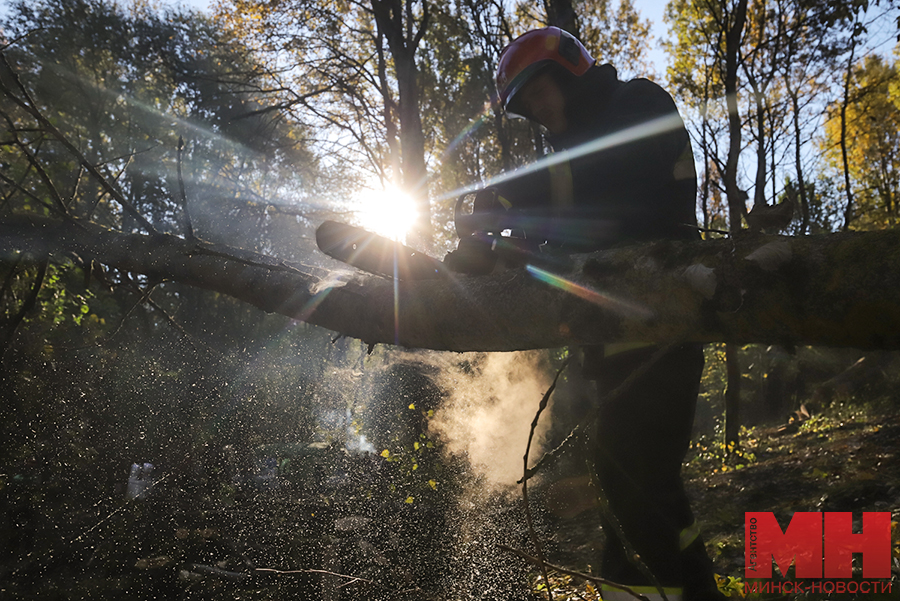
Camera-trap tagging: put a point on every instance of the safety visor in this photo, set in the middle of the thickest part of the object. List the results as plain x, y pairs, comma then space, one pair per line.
514, 108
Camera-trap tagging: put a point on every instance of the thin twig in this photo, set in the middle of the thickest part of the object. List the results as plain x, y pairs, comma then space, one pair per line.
60, 206
29, 106
153, 483
573, 573
351, 579
209, 250
15, 41
587, 423
528, 520
143, 296
188, 228
171, 320
73, 198
15, 186
18, 187
89, 214
633, 556
553, 454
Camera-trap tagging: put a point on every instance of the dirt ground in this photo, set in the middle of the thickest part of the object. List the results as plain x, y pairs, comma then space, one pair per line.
845, 459
840, 462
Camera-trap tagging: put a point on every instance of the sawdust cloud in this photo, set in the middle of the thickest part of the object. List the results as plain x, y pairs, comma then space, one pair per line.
486, 417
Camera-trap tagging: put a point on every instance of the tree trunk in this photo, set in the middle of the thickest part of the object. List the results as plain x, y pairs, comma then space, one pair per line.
736, 200
561, 13
759, 194
798, 161
835, 290
390, 125
396, 22
412, 140
732, 396
848, 210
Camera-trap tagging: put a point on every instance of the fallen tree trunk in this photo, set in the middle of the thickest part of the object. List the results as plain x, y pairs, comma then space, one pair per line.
834, 290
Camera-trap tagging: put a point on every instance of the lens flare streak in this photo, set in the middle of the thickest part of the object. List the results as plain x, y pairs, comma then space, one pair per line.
625, 136
592, 296
312, 304
469, 130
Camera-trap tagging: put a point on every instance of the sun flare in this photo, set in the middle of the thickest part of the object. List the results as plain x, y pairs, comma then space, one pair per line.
389, 212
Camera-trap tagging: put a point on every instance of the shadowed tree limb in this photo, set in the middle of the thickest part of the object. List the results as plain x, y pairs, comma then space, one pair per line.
833, 290
27, 306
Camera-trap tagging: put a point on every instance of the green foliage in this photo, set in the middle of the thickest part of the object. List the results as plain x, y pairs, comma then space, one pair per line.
787, 61
60, 303
730, 586
873, 119
834, 462
711, 454
694, 73
825, 204
123, 87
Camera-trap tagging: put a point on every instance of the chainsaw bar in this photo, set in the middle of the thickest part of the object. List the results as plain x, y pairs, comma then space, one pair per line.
376, 254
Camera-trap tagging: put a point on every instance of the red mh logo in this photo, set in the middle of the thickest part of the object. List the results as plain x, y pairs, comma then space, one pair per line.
814, 540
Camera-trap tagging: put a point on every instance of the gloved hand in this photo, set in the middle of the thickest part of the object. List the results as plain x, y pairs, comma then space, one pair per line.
473, 256
487, 212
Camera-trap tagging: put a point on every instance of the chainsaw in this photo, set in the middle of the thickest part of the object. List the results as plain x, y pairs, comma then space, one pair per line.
490, 238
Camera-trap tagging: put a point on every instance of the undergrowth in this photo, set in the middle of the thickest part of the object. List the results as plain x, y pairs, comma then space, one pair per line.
842, 459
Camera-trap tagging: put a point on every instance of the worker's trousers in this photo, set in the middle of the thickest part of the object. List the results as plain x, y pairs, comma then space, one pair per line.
642, 438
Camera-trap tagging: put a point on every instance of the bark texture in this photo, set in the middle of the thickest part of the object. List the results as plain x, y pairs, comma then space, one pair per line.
835, 290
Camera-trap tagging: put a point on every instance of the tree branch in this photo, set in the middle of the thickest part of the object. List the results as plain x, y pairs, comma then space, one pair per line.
836, 290
29, 106
26, 307
528, 520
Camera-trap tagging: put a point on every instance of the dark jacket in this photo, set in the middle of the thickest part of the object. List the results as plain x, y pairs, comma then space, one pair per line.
636, 183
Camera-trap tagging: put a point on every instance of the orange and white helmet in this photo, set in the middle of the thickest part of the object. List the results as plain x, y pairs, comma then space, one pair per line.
530, 52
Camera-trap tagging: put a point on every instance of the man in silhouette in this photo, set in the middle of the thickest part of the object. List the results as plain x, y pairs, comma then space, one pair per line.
627, 176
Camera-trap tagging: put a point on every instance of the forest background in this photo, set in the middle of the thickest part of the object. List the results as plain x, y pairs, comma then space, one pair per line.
278, 448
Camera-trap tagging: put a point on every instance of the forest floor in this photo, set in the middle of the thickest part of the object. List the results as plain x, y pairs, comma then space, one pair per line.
845, 459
